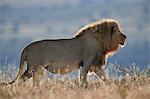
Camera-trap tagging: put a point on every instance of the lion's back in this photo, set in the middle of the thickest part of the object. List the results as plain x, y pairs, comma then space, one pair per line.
56, 52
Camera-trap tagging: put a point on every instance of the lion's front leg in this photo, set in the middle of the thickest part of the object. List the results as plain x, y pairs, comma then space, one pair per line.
82, 79
98, 64
100, 73
83, 72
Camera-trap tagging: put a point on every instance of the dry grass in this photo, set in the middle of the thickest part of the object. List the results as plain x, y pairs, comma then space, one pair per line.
130, 86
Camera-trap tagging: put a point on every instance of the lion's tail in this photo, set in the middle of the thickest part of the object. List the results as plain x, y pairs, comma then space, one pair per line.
21, 68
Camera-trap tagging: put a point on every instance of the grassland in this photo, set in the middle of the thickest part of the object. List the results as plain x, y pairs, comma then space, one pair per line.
131, 84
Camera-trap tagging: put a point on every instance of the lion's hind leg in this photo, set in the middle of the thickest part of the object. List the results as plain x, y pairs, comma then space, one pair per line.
26, 75
37, 76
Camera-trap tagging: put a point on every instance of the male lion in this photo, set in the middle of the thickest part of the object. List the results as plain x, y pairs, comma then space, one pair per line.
88, 49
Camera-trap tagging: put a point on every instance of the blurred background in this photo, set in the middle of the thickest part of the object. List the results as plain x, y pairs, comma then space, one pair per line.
25, 21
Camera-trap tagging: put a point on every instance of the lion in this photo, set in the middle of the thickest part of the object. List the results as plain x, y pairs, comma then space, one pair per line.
87, 50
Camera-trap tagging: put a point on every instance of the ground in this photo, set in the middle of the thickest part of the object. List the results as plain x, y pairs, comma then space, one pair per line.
132, 85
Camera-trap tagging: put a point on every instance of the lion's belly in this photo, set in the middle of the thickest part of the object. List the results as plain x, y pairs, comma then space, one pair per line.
61, 69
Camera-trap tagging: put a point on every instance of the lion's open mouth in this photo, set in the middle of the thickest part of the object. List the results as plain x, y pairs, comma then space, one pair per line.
122, 40
122, 44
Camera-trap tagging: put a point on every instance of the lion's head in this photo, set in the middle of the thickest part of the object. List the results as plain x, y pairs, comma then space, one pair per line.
107, 33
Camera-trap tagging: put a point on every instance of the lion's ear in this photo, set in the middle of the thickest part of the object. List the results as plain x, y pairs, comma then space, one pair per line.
104, 28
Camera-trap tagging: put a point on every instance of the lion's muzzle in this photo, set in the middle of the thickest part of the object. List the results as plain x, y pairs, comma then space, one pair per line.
122, 39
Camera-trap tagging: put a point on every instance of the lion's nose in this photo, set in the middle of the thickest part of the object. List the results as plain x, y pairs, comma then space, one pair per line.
124, 37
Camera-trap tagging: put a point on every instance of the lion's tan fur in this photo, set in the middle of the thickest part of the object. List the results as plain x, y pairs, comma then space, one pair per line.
88, 49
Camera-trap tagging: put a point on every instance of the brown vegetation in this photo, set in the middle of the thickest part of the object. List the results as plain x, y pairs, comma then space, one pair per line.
128, 87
